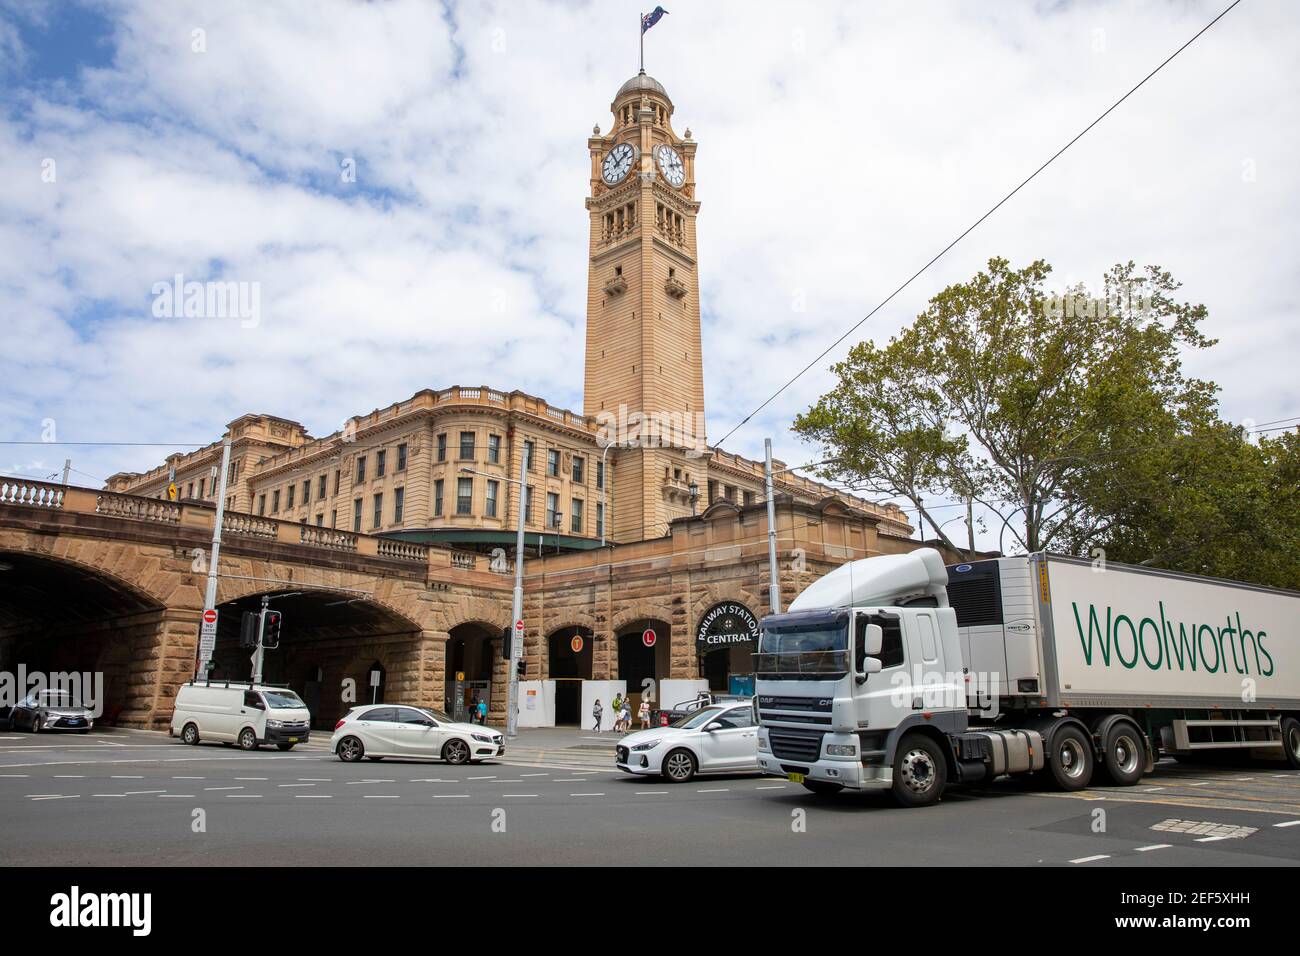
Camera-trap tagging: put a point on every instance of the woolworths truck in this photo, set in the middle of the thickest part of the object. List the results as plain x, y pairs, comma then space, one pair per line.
898, 673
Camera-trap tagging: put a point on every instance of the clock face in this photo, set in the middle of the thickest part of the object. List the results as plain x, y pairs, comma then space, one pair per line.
670, 164
618, 161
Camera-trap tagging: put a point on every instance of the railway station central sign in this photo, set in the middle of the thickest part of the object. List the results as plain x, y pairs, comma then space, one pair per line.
725, 624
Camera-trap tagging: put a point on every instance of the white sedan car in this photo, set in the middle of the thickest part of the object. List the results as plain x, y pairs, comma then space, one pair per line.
376, 731
722, 738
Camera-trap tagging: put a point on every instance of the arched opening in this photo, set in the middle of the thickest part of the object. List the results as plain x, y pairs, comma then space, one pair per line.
475, 671
68, 622
644, 664
330, 644
569, 661
726, 637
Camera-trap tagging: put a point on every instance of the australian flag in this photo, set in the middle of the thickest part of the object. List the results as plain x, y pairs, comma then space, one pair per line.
650, 19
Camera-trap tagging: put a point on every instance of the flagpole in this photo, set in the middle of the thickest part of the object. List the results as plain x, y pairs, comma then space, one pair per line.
640, 23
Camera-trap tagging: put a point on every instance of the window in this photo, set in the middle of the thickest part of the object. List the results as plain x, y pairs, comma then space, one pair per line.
399, 503
409, 715
288, 504
891, 645
528, 505
202, 481
320, 520
491, 509
713, 491
401, 457
464, 496
494, 449
380, 460
253, 699
442, 447
275, 501
600, 474
261, 504
600, 520
575, 516
466, 446
338, 477
378, 510
361, 468
190, 493
553, 462
306, 491
356, 515
437, 497
334, 518
530, 454
320, 487
552, 510
749, 498
577, 469
737, 717
385, 715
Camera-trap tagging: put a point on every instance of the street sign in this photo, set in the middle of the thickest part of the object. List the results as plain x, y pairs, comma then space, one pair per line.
519, 626
576, 643
207, 636
460, 675
648, 637
171, 491
210, 616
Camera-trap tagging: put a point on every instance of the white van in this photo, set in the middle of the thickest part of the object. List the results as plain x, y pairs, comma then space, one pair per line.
240, 713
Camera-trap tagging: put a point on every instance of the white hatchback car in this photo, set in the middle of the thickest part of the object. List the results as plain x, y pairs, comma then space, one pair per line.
721, 738
394, 730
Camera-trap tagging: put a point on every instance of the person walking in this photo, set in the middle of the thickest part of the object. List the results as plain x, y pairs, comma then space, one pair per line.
482, 712
644, 713
596, 712
627, 715
618, 710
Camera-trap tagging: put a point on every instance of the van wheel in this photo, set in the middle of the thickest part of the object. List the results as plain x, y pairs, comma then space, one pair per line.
1291, 741
1070, 759
1123, 757
351, 749
190, 734
822, 788
678, 766
920, 771
455, 751
247, 739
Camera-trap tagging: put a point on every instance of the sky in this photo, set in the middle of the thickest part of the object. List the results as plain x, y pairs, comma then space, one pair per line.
403, 183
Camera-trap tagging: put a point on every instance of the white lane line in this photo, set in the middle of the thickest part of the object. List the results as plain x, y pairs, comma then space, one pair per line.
56, 796
779, 786
243, 796
1288, 823
586, 794
295, 785
1283, 775
380, 796
136, 793
108, 794
313, 796
1212, 839
175, 796
1243, 779
1153, 846
222, 788
480, 778
534, 775
69, 776
518, 794
1091, 859
250, 778
13, 775
451, 796
1151, 789
1198, 783
126, 776
317, 779
189, 778
646, 793
721, 790
571, 780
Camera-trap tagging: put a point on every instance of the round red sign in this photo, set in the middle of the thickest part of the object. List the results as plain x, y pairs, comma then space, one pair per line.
210, 616
519, 625
576, 643
648, 637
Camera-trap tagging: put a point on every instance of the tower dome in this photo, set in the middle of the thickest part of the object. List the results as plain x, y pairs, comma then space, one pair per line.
642, 83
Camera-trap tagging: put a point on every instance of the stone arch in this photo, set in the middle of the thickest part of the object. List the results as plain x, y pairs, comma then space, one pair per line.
639, 611
230, 591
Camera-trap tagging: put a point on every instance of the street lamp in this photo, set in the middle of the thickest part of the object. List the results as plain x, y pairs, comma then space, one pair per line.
517, 607
695, 495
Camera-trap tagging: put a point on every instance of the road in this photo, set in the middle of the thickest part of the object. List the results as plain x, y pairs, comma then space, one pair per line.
114, 798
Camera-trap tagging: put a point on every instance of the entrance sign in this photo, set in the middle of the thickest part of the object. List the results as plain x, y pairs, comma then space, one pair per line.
519, 626
648, 637
576, 643
726, 624
207, 636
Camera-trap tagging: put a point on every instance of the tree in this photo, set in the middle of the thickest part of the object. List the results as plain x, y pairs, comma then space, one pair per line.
1021, 400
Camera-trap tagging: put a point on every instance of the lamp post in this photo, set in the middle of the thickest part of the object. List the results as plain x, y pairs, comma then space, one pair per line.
773, 582
604, 492
517, 606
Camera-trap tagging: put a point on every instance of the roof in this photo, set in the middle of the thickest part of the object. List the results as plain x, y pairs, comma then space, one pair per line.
642, 82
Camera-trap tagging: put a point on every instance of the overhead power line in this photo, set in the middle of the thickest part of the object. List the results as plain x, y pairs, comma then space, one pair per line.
971, 228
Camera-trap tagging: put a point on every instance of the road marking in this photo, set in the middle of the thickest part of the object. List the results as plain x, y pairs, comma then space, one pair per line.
15, 775
136, 793
1153, 846
779, 786
1204, 830
189, 778
69, 776
108, 794
451, 796
586, 794
1212, 839
127, 776
1091, 859
1288, 823
1151, 789
317, 779
1242, 779
313, 796
518, 795
296, 785
1199, 783
534, 775
722, 790
480, 778
380, 796
646, 793
572, 780
175, 796
250, 778
56, 796
222, 788
243, 796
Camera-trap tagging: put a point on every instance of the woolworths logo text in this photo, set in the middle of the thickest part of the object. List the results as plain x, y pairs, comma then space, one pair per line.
1195, 646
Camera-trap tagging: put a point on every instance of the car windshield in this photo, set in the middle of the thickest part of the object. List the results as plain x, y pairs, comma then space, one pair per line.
437, 715
697, 719
282, 699
794, 650
55, 698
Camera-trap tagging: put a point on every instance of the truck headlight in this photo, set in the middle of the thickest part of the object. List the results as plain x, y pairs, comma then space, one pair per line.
841, 750
275, 723
648, 745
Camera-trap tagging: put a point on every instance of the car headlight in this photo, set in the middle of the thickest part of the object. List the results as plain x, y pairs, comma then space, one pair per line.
841, 750
648, 745
275, 723
762, 744
482, 737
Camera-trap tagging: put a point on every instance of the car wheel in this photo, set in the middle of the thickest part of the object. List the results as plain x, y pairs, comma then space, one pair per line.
1291, 741
920, 771
1070, 759
678, 766
1123, 756
455, 751
37, 724
822, 788
247, 739
190, 734
351, 749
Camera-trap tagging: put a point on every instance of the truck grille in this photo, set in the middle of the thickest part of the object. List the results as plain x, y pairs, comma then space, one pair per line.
791, 744
770, 702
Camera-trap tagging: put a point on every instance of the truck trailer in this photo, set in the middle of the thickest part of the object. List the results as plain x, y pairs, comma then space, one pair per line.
899, 673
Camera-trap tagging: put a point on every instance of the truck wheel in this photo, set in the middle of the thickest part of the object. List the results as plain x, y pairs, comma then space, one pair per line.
248, 739
822, 788
1070, 759
1291, 741
1123, 756
920, 771
190, 734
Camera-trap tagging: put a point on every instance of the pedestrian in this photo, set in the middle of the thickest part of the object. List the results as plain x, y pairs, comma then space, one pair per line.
596, 712
473, 708
627, 715
644, 713
482, 712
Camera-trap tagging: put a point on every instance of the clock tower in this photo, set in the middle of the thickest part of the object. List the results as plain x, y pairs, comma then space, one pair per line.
644, 378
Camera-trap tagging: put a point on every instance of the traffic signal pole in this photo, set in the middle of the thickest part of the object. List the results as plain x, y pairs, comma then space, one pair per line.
258, 651
210, 596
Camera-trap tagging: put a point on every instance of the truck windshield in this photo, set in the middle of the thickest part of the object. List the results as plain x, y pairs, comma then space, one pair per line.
801, 650
282, 699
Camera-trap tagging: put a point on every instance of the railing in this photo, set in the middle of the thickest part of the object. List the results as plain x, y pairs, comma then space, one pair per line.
464, 560
403, 550
253, 525
330, 538
39, 494
141, 509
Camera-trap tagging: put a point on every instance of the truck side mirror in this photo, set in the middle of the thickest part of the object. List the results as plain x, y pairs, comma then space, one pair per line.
872, 665
872, 641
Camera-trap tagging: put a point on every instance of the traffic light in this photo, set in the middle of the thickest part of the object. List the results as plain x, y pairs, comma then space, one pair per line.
506, 633
521, 667
271, 629
248, 629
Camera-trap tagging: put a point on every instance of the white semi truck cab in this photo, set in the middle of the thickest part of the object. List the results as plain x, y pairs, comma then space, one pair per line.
899, 673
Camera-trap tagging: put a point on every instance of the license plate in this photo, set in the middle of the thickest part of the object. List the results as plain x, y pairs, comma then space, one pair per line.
794, 777
293, 740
